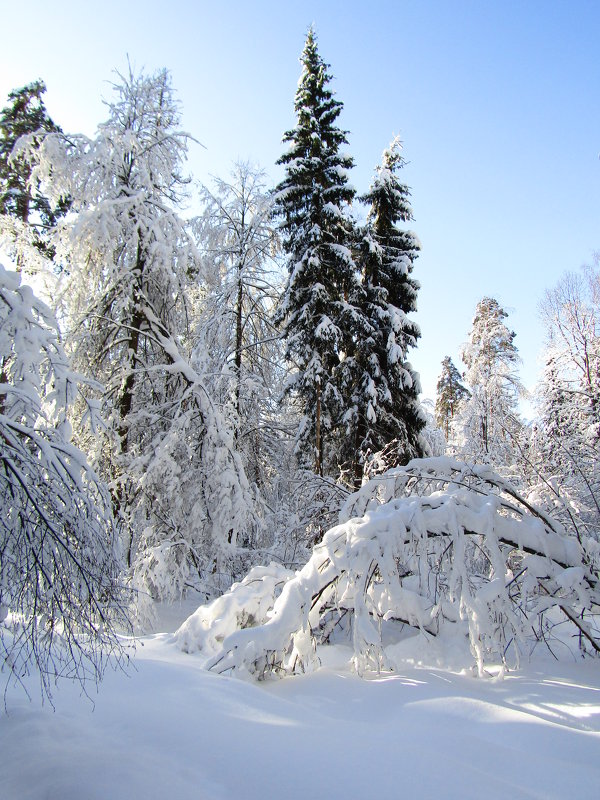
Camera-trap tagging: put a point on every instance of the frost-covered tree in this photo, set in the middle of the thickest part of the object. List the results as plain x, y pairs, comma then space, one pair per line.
433, 436
127, 251
489, 419
60, 596
383, 385
238, 244
176, 480
450, 394
560, 425
246, 368
571, 313
319, 309
563, 452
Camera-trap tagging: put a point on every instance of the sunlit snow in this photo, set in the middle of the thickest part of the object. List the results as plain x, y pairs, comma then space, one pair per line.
170, 729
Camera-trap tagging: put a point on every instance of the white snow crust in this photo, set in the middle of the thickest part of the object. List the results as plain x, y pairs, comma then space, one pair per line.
172, 730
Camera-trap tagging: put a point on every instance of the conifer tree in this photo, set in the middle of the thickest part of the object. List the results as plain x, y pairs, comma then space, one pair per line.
450, 393
25, 114
560, 419
318, 309
386, 407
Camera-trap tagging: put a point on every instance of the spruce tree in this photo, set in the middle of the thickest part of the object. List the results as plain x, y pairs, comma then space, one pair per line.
387, 408
450, 393
317, 308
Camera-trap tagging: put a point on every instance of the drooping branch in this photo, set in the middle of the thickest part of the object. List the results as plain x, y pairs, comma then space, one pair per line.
483, 547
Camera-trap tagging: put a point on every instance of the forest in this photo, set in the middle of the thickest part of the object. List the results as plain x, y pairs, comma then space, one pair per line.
224, 405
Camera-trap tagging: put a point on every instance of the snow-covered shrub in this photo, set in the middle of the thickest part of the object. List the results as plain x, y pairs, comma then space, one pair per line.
247, 604
429, 545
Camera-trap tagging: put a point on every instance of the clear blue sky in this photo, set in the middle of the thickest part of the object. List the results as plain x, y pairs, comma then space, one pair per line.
497, 104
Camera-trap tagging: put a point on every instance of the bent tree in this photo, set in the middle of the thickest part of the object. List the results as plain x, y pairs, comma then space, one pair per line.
436, 545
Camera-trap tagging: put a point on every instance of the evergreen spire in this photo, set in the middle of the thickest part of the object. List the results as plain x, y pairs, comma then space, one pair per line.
26, 114
387, 388
312, 200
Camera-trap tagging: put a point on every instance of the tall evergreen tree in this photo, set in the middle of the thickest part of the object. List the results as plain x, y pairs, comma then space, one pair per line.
318, 308
450, 393
26, 114
386, 407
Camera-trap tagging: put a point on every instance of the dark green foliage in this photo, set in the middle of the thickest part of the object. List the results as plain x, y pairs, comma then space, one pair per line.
25, 114
349, 294
386, 407
318, 310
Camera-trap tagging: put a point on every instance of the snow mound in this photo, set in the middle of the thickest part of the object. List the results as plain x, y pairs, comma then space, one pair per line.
172, 729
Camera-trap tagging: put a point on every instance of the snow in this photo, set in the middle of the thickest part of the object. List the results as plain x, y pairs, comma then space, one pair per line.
171, 729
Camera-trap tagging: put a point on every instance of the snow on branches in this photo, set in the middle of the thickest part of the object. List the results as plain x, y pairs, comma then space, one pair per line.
60, 596
434, 544
131, 300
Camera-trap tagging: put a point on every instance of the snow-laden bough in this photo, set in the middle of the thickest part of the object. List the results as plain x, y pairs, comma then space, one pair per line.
434, 544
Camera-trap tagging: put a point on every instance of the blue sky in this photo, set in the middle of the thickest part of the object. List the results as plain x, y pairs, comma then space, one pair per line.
496, 102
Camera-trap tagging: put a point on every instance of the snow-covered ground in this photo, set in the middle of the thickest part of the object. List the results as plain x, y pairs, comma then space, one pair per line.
169, 729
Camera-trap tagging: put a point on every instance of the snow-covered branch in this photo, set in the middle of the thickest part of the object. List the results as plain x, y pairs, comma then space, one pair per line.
60, 595
429, 545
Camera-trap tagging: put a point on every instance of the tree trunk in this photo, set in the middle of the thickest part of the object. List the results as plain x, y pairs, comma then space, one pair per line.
125, 399
238, 346
318, 445
358, 463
